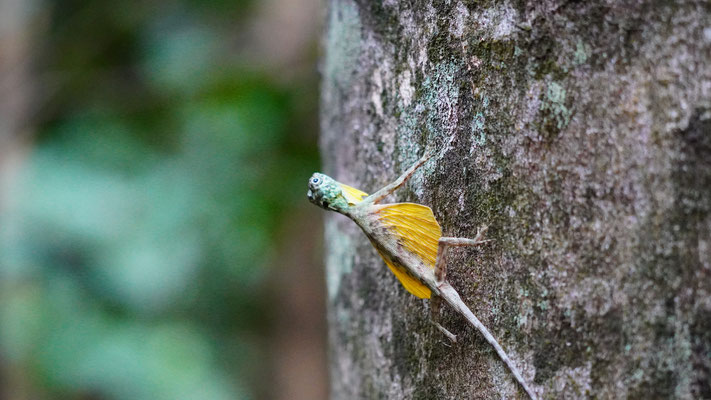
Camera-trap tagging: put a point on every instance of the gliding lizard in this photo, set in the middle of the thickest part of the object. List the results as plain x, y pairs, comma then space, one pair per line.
410, 241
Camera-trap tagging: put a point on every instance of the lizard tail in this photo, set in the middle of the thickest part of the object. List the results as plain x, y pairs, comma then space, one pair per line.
451, 296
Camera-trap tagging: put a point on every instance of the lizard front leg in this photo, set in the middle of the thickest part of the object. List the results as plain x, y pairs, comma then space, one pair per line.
401, 180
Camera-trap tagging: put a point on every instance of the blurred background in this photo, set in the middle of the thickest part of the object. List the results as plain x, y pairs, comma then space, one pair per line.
155, 237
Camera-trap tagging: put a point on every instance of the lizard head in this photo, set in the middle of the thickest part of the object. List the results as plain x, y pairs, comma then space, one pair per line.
326, 193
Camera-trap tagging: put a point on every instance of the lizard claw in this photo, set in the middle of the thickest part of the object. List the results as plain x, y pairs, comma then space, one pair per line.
482, 230
429, 153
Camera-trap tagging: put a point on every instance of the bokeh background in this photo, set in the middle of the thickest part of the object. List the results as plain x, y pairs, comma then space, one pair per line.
155, 237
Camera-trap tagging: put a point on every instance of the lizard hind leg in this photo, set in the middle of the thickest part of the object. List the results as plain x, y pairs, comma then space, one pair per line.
446, 242
447, 292
441, 273
435, 302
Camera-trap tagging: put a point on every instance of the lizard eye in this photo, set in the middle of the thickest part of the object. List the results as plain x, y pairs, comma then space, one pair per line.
315, 180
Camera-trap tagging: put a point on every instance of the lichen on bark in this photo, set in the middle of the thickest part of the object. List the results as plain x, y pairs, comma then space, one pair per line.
581, 134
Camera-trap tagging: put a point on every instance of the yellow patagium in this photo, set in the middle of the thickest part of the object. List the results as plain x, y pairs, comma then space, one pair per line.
409, 239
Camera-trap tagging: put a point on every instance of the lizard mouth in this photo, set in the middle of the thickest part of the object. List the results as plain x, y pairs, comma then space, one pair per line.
314, 199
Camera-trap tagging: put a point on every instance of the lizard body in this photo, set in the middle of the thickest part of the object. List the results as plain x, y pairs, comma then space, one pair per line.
409, 239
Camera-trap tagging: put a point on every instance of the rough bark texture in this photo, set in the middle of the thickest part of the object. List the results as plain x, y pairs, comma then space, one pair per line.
581, 134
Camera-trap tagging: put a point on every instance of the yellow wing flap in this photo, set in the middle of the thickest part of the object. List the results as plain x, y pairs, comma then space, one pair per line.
352, 195
410, 283
414, 227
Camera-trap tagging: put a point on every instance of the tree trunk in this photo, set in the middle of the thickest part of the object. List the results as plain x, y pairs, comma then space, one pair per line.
18, 25
581, 134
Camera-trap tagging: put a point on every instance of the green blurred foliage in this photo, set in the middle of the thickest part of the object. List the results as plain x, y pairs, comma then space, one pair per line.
134, 247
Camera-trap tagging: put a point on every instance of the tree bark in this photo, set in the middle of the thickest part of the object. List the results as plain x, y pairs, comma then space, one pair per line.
580, 132
18, 25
